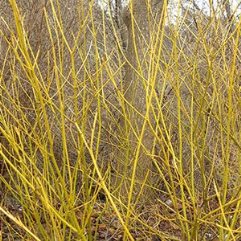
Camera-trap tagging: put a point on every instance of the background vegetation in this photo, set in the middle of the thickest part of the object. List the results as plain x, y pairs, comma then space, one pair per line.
119, 122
